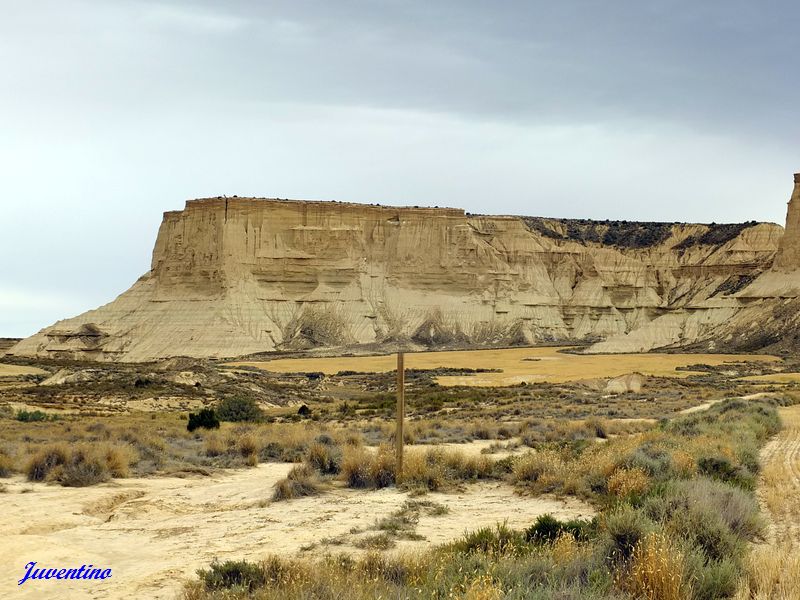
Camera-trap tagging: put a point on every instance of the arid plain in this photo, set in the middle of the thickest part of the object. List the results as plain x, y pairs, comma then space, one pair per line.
98, 462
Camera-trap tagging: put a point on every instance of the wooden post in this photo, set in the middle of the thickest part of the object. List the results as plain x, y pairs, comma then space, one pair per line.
401, 411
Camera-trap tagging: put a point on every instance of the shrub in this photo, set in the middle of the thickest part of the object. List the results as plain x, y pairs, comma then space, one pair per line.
32, 416
6, 465
45, 460
248, 447
419, 471
624, 529
718, 467
715, 517
382, 469
736, 508
214, 445
545, 468
300, 482
82, 469
356, 466
233, 574
81, 465
239, 409
712, 579
599, 426
118, 459
547, 528
325, 458
653, 459
498, 540
205, 419
628, 482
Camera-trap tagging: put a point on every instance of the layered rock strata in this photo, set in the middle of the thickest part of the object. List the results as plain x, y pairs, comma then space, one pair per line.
235, 276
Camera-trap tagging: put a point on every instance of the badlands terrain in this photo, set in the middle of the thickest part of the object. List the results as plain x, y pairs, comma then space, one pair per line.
593, 410
237, 276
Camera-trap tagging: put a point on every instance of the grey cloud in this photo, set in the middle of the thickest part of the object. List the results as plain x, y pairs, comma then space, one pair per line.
113, 112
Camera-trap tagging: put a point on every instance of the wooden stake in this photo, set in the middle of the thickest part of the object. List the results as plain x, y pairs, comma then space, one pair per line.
401, 411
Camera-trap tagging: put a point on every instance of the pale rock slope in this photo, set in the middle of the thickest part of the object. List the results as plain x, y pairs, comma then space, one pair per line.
763, 315
235, 276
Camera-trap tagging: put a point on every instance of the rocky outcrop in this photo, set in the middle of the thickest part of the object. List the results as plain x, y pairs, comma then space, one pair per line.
788, 257
235, 276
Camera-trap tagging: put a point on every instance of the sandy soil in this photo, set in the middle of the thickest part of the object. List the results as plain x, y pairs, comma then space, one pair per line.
154, 533
161, 403
17, 370
517, 364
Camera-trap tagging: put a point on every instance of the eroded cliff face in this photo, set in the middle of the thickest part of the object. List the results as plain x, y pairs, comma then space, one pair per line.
767, 315
235, 276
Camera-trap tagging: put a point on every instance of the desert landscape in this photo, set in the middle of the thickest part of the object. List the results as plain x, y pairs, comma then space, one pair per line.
399, 300
550, 470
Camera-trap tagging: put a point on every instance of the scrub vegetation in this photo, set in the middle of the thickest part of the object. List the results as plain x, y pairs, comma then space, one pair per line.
676, 513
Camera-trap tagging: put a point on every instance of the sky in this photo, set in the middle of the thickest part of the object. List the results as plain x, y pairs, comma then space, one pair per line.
113, 112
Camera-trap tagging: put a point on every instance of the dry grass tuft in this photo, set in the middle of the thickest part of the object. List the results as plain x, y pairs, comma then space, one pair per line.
356, 467
626, 482
656, 571
213, 444
772, 574
544, 469
81, 465
301, 481
773, 570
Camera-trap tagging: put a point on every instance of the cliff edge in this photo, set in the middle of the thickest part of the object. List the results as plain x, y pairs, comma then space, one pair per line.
236, 276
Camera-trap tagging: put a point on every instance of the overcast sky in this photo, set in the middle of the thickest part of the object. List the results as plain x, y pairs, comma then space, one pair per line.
112, 112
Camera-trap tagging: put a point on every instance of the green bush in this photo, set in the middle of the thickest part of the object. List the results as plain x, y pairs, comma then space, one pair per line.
500, 540
205, 418
713, 579
624, 529
33, 416
713, 517
547, 528
233, 574
239, 409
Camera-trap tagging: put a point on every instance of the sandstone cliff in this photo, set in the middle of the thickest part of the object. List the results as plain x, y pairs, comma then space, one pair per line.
234, 276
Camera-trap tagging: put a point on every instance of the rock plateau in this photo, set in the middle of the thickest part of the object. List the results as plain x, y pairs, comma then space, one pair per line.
237, 276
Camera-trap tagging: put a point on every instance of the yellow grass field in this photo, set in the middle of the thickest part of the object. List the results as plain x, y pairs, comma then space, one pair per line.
17, 370
775, 378
516, 364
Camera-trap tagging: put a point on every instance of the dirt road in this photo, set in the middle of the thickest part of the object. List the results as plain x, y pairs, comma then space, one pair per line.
774, 570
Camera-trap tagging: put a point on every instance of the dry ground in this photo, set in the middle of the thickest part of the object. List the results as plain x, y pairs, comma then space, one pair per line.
156, 532
775, 565
775, 378
17, 370
517, 365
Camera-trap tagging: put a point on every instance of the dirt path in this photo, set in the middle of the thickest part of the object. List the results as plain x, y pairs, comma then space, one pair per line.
779, 491
154, 533
774, 569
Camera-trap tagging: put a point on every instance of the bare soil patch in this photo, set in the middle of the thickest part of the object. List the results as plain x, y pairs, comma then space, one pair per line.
154, 533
